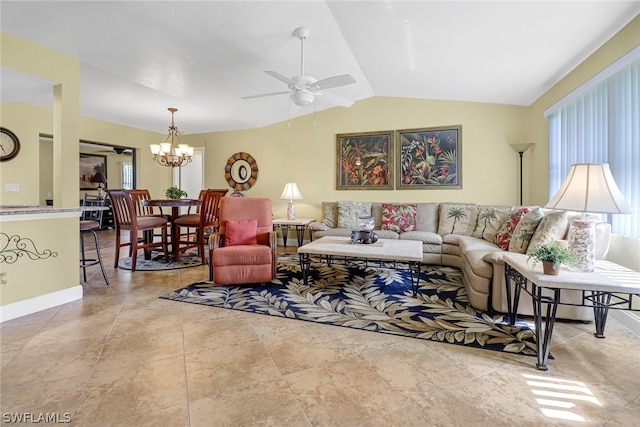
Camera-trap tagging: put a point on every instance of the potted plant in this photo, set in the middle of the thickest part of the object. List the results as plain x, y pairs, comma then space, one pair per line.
175, 193
552, 256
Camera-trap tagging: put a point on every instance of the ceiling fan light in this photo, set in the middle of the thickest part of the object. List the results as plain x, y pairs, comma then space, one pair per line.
302, 99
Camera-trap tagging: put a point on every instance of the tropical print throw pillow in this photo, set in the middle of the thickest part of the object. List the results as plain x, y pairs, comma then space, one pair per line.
490, 218
504, 233
523, 232
399, 217
457, 218
349, 212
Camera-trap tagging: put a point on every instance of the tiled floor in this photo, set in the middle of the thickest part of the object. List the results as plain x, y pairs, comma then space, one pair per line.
122, 356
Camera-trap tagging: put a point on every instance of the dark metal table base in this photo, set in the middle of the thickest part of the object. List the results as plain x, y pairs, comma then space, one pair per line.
601, 302
414, 268
285, 231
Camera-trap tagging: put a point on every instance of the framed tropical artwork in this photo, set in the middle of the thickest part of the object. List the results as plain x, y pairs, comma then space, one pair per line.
365, 161
429, 158
90, 166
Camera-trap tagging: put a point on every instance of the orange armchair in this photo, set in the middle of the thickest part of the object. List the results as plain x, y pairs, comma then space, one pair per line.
237, 253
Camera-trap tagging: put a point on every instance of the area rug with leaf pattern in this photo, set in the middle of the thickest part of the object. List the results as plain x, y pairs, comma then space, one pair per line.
372, 297
157, 263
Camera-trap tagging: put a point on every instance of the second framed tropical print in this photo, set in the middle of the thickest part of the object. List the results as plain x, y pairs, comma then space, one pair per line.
365, 161
429, 158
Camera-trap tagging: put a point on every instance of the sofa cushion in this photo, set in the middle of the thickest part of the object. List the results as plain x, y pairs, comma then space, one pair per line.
424, 236
458, 218
399, 217
330, 214
552, 227
524, 230
349, 211
376, 213
504, 233
490, 218
387, 234
479, 266
427, 216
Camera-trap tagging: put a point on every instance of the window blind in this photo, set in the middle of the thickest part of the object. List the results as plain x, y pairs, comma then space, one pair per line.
602, 125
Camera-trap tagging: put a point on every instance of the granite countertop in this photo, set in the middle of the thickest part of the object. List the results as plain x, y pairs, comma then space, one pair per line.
33, 209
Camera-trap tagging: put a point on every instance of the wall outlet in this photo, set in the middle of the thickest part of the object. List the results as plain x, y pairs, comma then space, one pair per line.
11, 187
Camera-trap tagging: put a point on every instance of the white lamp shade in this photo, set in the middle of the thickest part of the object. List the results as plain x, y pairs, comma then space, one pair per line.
521, 148
590, 187
291, 192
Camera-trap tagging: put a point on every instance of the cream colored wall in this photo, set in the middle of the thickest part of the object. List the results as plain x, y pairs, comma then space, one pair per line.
45, 169
27, 278
33, 169
306, 154
149, 174
624, 251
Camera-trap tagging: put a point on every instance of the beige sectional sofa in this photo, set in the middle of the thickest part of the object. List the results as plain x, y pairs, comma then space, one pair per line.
462, 235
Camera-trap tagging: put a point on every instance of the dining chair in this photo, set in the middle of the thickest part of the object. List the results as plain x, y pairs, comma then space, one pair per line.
138, 196
126, 219
190, 233
90, 221
204, 223
244, 248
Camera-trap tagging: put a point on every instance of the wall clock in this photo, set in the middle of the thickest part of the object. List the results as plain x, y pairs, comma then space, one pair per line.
9, 144
241, 171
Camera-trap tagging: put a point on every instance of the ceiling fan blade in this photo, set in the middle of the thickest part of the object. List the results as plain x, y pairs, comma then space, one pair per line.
282, 78
335, 99
335, 81
266, 94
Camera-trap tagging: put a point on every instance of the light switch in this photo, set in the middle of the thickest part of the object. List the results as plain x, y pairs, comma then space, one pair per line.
11, 187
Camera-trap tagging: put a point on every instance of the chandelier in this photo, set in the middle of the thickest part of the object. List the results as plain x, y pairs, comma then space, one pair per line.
169, 155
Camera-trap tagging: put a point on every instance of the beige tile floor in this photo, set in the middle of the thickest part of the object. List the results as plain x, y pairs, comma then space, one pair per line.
123, 357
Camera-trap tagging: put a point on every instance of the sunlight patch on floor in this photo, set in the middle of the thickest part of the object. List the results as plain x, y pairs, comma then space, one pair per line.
557, 397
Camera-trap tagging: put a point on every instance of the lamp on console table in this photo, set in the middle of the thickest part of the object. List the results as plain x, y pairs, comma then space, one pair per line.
588, 187
291, 193
100, 179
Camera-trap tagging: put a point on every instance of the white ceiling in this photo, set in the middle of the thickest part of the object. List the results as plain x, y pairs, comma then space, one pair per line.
139, 57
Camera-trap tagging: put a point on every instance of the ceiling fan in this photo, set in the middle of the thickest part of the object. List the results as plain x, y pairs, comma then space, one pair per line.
304, 89
117, 150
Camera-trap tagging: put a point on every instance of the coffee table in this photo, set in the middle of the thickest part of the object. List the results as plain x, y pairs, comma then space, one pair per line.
409, 251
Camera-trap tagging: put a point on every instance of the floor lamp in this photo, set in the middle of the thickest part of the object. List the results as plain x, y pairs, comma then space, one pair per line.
520, 149
588, 187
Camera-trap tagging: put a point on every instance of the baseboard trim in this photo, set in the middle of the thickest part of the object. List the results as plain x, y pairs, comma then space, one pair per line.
39, 303
626, 319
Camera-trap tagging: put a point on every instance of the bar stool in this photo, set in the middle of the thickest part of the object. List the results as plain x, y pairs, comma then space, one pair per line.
89, 223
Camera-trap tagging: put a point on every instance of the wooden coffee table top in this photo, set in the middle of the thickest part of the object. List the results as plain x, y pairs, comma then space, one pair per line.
383, 249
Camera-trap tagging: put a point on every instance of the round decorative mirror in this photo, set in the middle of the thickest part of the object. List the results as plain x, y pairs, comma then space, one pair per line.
241, 171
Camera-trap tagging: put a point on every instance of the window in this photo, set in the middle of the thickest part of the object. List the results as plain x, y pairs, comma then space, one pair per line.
127, 175
600, 123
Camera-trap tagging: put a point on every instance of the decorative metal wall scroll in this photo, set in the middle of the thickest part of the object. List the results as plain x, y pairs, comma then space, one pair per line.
14, 247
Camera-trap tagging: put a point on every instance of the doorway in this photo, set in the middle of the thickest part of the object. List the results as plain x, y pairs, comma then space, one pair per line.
190, 177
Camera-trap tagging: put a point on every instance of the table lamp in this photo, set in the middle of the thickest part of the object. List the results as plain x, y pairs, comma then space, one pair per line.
588, 187
291, 193
100, 179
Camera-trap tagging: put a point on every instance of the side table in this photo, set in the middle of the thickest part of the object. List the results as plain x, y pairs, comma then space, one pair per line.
609, 287
300, 224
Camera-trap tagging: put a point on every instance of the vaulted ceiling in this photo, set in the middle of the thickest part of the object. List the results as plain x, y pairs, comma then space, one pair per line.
139, 57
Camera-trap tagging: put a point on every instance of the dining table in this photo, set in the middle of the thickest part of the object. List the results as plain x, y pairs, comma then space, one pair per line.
175, 205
